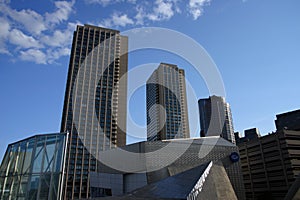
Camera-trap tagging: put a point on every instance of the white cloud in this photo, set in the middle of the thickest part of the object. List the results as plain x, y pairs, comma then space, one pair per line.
159, 10
54, 54
34, 55
18, 38
196, 7
32, 21
162, 11
177, 6
146, 11
40, 57
131, 1
4, 28
109, 2
121, 20
117, 20
63, 10
140, 15
49, 34
59, 38
4, 32
40, 38
3, 50
102, 2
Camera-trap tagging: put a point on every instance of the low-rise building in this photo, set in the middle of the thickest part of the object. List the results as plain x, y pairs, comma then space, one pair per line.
139, 169
33, 168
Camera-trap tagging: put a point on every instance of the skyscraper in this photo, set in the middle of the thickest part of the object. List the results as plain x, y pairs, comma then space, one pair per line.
94, 110
216, 118
167, 114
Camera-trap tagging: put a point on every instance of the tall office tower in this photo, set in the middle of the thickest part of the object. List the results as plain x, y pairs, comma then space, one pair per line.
216, 118
94, 110
167, 114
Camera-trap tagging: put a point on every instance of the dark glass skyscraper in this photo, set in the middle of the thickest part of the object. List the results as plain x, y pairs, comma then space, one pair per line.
167, 114
94, 110
216, 118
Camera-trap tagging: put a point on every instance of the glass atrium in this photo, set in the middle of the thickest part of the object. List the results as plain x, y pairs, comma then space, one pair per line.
33, 168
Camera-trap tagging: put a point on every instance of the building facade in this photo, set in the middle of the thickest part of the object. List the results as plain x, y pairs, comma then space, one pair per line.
33, 168
288, 120
167, 114
252, 133
156, 161
270, 164
216, 118
94, 109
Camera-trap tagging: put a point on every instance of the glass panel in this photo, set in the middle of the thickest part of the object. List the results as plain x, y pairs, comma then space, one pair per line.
1, 186
21, 155
33, 187
54, 186
23, 186
4, 163
38, 157
14, 188
49, 156
59, 154
28, 156
7, 186
13, 157
5, 194
44, 187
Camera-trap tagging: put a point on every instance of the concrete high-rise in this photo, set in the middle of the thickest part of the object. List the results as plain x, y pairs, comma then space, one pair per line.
252, 133
288, 121
94, 110
216, 118
270, 164
167, 114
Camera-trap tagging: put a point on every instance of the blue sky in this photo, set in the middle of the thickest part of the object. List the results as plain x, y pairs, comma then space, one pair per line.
255, 45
